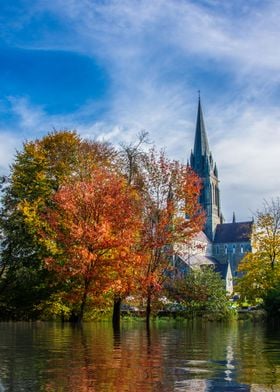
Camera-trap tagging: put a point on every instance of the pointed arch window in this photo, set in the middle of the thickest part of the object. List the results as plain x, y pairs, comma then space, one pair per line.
213, 193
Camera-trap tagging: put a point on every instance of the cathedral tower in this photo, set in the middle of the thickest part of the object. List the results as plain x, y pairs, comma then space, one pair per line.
202, 163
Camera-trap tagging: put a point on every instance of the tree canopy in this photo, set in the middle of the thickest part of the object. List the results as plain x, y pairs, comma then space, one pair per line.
170, 194
81, 220
38, 171
92, 228
261, 268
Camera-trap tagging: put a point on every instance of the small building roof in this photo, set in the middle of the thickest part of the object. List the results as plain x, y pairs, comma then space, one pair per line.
198, 260
233, 232
202, 237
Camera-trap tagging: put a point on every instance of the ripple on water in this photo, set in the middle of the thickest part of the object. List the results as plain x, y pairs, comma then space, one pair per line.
196, 356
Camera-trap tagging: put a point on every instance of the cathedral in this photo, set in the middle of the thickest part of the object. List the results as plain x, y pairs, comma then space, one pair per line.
221, 245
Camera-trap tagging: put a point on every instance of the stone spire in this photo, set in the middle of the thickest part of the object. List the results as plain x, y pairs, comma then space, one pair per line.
202, 163
233, 217
201, 146
201, 158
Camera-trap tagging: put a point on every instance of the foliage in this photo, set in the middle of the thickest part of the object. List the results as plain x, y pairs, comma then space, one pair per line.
258, 277
54, 307
170, 193
129, 164
93, 227
80, 221
261, 269
201, 292
267, 233
36, 174
272, 300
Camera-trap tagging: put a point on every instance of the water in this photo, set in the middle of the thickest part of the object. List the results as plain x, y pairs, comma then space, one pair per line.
173, 356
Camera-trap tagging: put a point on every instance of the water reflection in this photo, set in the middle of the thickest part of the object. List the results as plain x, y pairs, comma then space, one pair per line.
193, 356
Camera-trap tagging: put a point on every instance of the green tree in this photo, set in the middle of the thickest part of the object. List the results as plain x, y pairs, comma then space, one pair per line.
202, 292
261, 268
272, 300
37, 173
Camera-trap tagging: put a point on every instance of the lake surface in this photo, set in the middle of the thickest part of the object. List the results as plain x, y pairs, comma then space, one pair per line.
173, 356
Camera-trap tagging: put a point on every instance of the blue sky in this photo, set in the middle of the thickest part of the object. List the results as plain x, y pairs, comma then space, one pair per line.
110, 69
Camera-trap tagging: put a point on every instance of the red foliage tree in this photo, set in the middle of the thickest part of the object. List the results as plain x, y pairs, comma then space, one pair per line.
93, 226
171, 214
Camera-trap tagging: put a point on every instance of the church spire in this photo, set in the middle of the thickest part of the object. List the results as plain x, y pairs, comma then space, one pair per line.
201, 146
203, 164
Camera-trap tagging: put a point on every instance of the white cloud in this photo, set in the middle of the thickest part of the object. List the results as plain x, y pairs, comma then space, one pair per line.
8, 145
29, 118
144, 46
247, 153
122, 30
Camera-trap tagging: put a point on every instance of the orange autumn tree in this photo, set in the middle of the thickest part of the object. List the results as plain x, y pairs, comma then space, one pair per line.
93, 226
171, 214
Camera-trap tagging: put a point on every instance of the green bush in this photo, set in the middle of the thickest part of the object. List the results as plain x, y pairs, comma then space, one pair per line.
202, 293
272, 301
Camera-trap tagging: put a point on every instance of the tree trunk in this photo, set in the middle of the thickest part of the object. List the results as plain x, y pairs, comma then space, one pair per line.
82, 310
74, 317
83, 303
117, 312
148, 309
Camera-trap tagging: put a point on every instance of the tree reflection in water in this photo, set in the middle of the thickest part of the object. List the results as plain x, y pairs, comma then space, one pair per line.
171, 356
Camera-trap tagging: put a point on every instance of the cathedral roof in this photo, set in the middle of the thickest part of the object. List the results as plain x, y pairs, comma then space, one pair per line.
233, 232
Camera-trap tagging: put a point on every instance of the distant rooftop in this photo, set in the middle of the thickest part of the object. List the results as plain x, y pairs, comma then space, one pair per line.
233, 232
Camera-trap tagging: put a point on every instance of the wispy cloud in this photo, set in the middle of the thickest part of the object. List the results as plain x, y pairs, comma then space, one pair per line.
248, 156
8, 145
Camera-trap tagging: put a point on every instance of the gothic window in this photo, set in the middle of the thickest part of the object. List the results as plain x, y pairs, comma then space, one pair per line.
226, 249
209, 194
241, 249
203, 196
233, 249
216, 195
